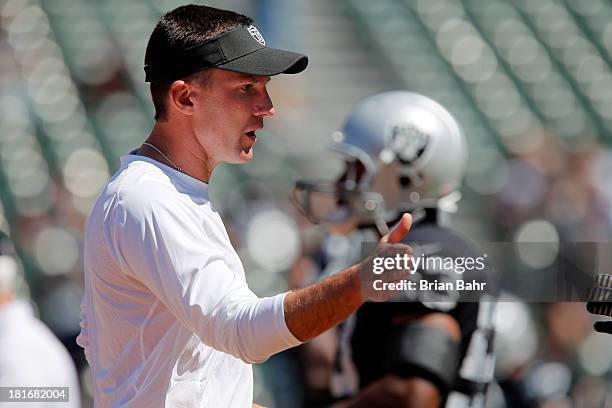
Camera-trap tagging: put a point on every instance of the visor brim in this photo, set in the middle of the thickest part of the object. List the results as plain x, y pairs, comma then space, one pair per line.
267, 62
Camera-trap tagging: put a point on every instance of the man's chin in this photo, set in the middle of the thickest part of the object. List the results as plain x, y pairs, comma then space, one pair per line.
246, 155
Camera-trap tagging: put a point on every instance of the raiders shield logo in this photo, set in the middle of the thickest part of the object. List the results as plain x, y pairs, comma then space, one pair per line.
407, 142
256, 34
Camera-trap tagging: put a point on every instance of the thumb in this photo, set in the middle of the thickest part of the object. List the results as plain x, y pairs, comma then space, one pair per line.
399, 231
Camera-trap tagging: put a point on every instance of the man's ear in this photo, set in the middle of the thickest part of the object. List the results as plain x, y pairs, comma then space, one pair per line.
180, 97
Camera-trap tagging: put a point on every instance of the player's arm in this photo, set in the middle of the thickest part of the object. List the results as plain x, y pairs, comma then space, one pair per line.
312, 310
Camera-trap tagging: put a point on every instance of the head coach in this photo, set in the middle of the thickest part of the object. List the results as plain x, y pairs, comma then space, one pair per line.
167, 318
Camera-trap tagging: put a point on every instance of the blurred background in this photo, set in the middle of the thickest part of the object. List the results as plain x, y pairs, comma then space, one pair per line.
530, 81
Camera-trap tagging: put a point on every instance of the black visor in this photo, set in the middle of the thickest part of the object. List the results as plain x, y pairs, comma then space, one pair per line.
242, 49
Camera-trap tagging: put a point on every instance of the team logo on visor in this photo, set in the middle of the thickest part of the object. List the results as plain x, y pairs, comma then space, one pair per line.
256, 34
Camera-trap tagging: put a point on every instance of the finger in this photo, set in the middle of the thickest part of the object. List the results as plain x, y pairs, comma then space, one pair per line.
399, 231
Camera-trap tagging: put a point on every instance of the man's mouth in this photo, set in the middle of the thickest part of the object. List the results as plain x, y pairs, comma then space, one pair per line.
252, 135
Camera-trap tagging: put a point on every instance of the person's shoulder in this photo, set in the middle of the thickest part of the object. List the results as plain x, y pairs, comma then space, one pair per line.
139, 189
141, 183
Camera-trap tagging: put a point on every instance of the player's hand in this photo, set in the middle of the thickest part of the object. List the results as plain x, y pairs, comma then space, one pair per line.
389, 246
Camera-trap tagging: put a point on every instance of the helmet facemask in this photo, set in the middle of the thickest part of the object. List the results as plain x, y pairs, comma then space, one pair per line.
344, 201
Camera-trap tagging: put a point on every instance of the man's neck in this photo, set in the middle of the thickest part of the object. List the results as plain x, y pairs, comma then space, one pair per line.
177, 149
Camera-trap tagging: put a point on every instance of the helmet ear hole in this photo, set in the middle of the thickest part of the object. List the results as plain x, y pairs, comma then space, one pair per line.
405, 181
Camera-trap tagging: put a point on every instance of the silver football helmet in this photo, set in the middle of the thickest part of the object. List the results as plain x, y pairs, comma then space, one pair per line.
402, 151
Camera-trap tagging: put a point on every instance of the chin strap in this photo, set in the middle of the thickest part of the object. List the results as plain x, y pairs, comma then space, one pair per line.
381, 226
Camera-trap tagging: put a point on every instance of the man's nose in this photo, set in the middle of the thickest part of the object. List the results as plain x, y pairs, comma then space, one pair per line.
264, 106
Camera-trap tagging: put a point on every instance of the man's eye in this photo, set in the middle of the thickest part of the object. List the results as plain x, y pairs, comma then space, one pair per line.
246, 87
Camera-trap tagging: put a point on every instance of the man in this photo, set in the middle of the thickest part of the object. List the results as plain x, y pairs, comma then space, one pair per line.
167, 316
405, 152
31, 354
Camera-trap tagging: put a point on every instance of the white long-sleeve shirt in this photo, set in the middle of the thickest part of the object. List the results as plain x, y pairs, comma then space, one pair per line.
167, 317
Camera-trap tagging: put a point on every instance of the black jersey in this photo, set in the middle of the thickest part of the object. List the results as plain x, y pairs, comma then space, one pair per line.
374, 321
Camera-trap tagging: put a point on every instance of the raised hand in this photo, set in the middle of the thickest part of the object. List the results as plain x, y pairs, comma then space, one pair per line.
390, 262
